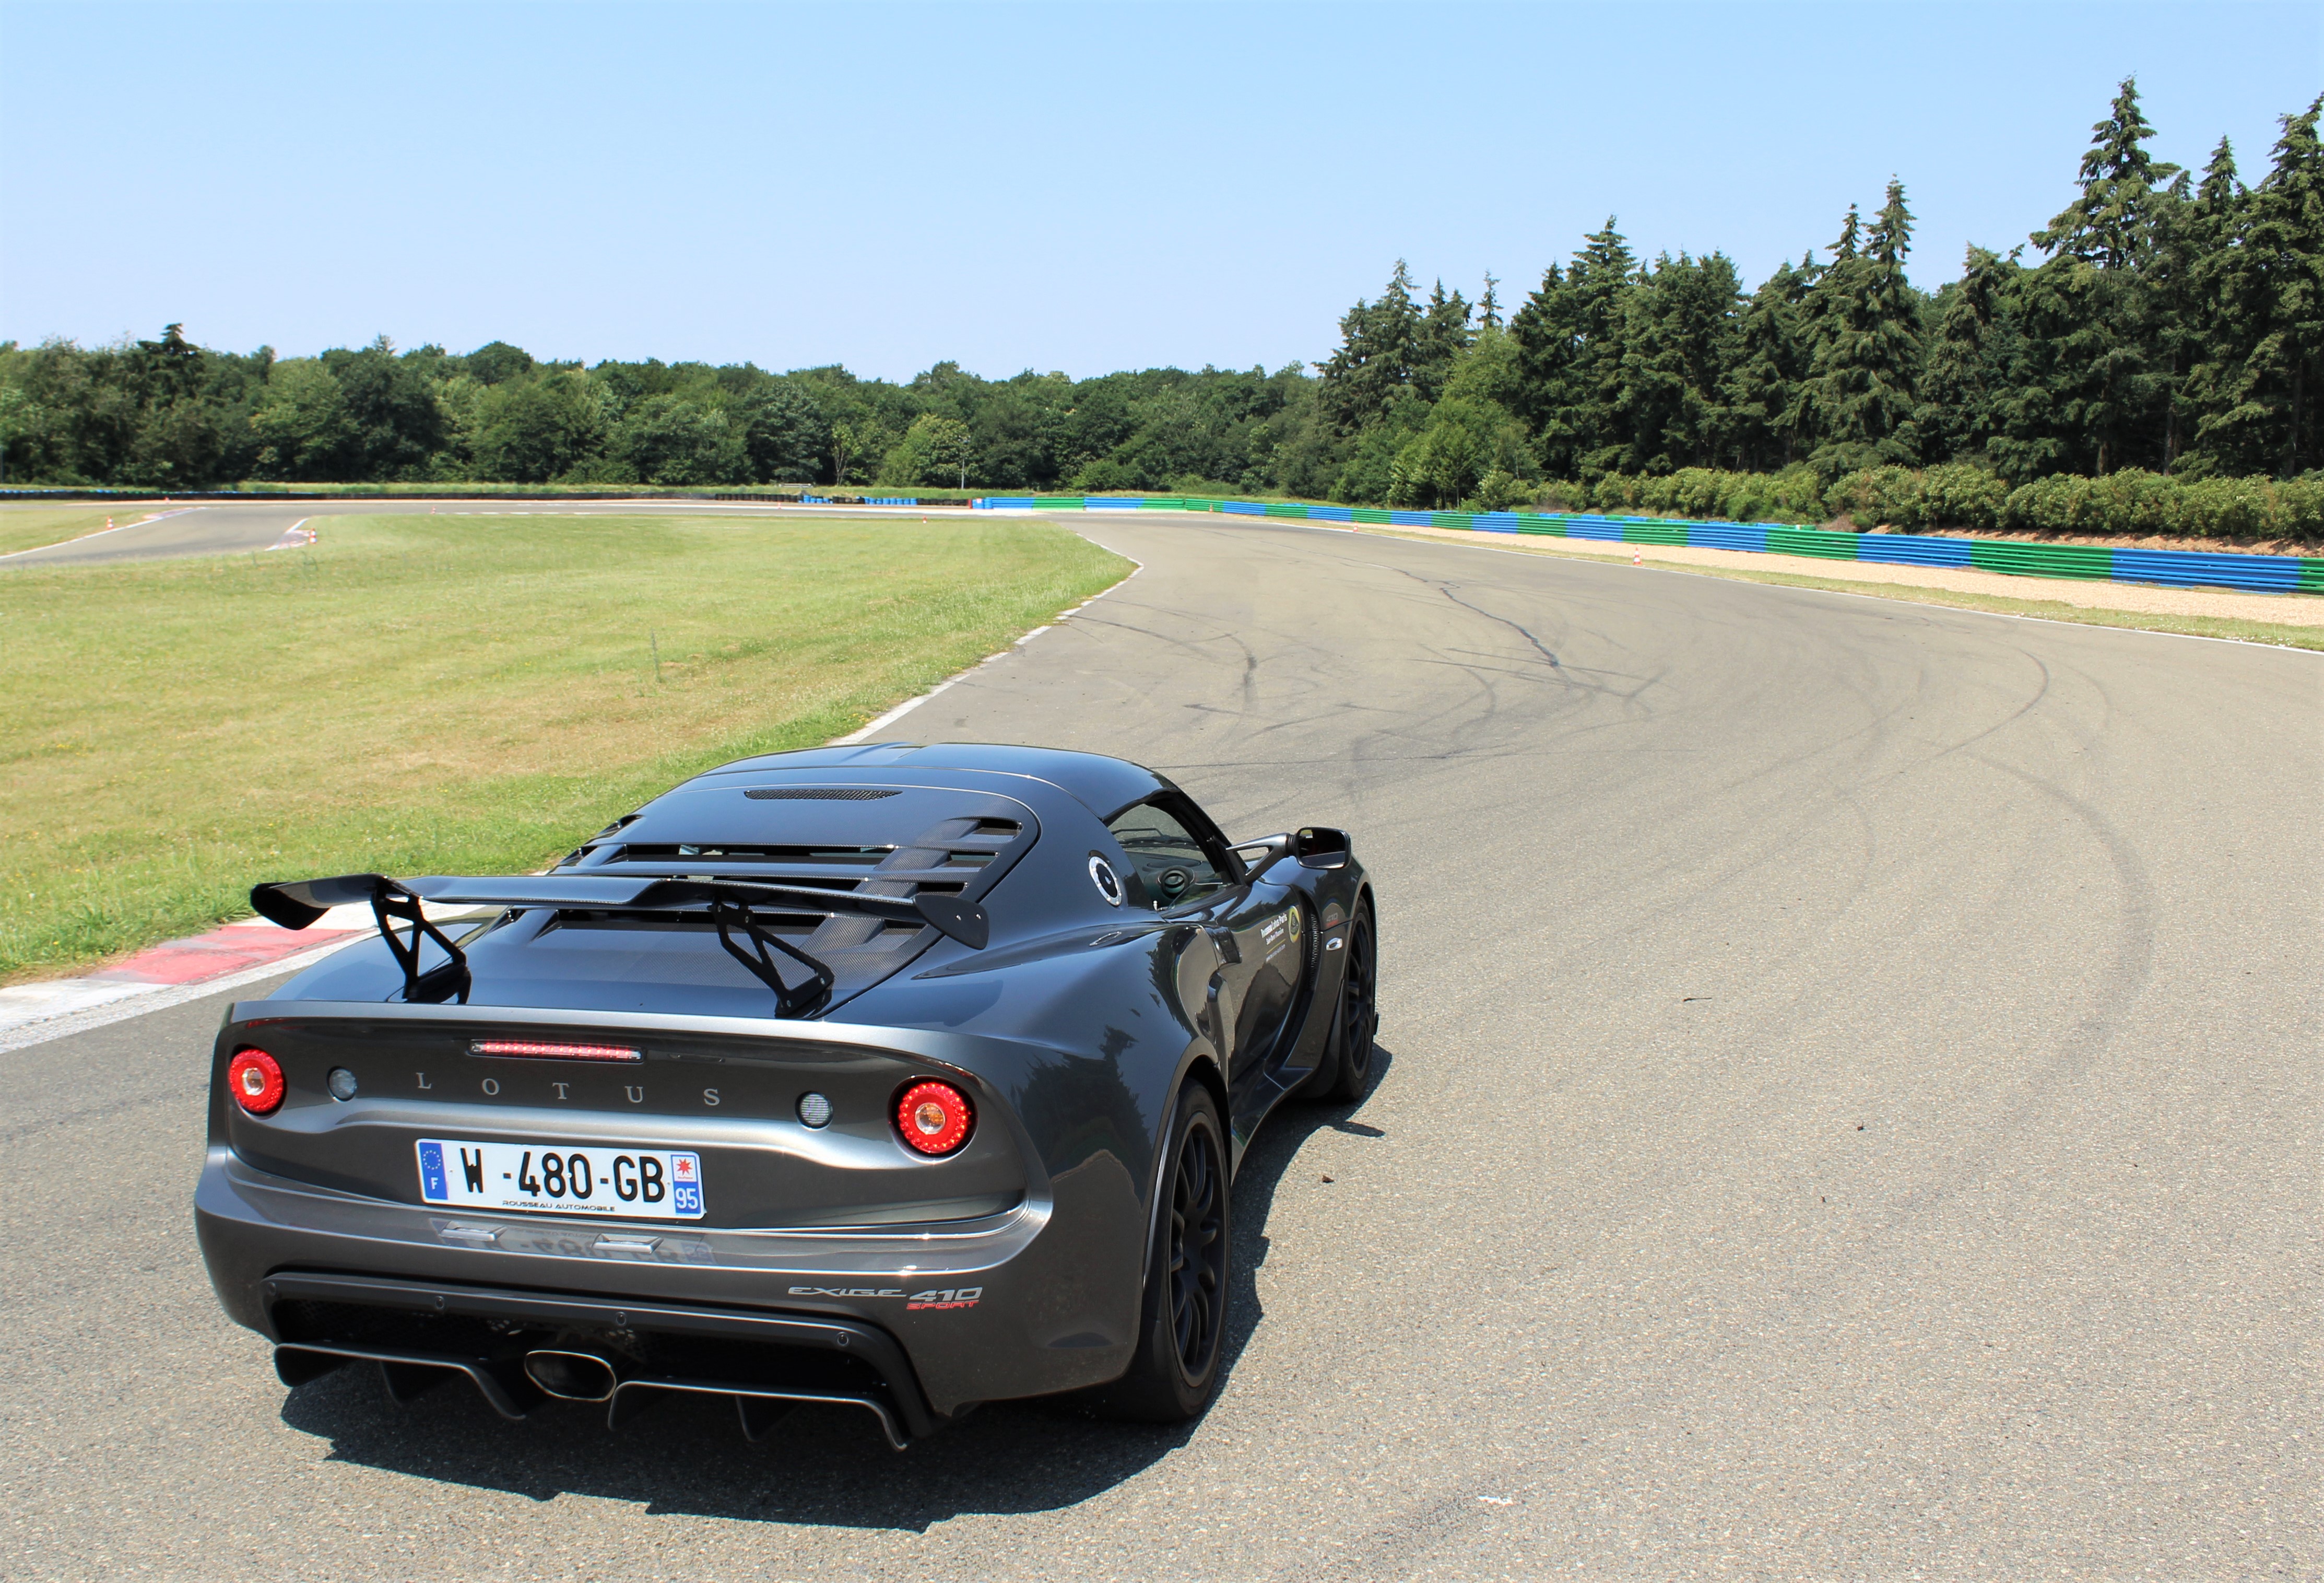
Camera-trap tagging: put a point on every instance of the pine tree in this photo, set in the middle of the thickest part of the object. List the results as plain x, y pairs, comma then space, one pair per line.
1679, 337
1850, 231
2271, 306
1969, 372
2111, 224
1381, 346
2206, 232
1541, 332
1595, 289
1868, 344
1762, 418
1569, 339
1443, 335
1816, 316
2192, 230
2092, 307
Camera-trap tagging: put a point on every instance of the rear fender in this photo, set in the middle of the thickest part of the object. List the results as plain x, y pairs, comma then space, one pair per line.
1200, 1066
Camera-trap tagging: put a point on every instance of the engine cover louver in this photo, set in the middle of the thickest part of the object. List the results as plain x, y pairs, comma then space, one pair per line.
883, 841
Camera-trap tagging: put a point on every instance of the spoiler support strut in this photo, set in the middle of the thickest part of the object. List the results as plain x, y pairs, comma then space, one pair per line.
729, 912
449, 979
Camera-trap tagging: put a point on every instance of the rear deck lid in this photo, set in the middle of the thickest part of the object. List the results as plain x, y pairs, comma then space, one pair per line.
898, 841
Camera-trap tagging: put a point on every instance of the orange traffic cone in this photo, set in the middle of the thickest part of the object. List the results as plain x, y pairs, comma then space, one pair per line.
1637, 558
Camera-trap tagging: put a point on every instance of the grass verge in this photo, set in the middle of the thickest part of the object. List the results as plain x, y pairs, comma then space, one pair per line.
2280, 633
441, 695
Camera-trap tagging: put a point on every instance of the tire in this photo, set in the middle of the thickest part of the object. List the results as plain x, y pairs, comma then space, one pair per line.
1182, 1322
1355, 1020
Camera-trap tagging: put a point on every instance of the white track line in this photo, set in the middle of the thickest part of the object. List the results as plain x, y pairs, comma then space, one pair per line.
858, 736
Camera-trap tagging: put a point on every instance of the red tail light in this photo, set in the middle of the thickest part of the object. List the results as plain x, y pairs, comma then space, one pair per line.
934, 1118
256, 1079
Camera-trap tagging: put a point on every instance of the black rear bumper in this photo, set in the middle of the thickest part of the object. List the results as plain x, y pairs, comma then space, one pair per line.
424, 1332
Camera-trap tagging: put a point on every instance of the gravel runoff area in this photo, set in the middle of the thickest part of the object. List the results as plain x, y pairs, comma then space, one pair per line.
2284, 609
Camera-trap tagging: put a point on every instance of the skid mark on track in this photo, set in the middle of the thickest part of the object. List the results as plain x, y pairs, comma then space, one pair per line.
1397, 1548
2021, 710
1519, 628
1566, 673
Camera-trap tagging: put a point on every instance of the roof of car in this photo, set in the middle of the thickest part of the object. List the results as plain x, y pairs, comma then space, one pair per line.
1104, 785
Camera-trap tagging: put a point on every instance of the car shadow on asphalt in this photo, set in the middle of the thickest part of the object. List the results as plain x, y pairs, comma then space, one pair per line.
823, 1465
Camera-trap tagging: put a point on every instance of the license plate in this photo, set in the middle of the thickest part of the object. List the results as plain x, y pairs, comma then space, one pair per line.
635, 1184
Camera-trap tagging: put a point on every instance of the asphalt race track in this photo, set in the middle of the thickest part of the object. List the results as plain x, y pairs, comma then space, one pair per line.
1851, 1110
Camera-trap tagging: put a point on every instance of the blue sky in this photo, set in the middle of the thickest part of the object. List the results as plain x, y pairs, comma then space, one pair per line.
1083, 187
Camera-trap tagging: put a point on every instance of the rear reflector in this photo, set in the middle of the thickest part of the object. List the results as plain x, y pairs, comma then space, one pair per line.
538, 1050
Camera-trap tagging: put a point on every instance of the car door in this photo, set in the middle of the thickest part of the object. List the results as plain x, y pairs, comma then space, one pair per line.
1266, 927
1180, 865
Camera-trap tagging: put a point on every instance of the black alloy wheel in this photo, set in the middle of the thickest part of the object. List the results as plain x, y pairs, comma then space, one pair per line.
1196, 1252
1357, 1021
1182, 1320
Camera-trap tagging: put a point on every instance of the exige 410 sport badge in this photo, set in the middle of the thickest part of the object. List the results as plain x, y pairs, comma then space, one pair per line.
936, 1298
950, 1297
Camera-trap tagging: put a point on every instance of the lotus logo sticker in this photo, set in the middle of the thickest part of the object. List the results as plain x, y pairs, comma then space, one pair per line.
1107, 883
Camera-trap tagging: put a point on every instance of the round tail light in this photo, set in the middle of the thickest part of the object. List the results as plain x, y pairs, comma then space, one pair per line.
934, 1117
255, 1078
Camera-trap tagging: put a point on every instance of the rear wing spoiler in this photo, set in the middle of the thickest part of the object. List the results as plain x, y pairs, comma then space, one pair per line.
730, 904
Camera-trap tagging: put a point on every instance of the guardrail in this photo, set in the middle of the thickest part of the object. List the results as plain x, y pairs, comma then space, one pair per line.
2171, 569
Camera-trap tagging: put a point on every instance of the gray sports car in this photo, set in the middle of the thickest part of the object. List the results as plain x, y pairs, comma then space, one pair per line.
905, 1077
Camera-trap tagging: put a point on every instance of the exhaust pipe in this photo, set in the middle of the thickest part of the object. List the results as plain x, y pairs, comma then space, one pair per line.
576, 1376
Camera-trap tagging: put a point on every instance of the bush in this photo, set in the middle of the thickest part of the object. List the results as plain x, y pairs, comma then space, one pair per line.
2290, 508
1501, 490
1960, 497
1794, 495
1870, 497
1954, 496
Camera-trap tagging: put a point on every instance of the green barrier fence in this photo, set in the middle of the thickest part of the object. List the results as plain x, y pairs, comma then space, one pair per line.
1818, 541
2068, 560
1654, 533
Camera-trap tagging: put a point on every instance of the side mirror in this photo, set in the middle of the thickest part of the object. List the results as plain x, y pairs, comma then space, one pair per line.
1321, 847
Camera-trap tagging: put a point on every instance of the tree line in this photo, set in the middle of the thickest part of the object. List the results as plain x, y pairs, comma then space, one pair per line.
2165, 323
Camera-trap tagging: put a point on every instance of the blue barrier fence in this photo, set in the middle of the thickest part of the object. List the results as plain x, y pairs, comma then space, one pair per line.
2259, 574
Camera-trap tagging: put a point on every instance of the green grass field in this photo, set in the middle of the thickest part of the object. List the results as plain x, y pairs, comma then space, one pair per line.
424, 695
